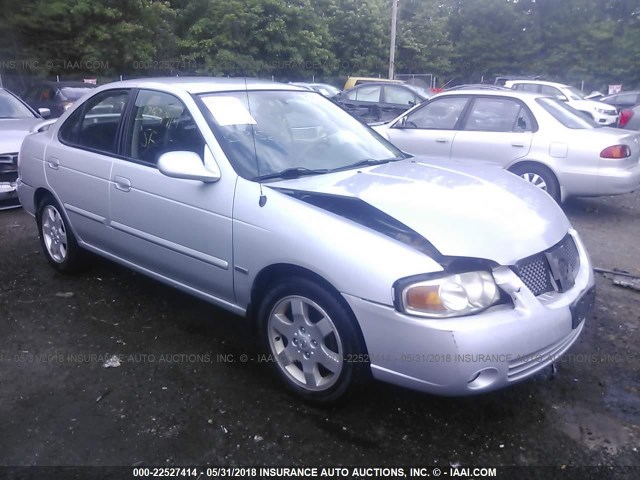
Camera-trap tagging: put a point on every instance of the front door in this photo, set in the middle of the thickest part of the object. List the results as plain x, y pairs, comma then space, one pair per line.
431, 129
179, 229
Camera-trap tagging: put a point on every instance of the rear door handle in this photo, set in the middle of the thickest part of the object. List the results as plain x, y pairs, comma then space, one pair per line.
122, 183
442, 140
518, 145
53, 163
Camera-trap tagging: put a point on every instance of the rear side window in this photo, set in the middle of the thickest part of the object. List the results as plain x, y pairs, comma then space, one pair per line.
95, 125
399, 96
366, 94
498, 115
566, 115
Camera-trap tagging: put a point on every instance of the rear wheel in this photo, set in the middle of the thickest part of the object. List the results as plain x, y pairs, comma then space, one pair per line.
56, 238
313, 340
540, 177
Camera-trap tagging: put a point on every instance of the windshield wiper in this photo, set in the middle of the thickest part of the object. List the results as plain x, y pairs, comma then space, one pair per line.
367, 162
296, 172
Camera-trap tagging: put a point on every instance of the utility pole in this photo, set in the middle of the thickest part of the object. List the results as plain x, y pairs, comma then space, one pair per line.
392, 50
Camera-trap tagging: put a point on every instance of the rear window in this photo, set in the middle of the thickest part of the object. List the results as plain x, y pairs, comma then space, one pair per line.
566, 115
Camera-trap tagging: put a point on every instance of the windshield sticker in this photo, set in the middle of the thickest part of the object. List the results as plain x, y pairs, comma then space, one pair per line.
228, 111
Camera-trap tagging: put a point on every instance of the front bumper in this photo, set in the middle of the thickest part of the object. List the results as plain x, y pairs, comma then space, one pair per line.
8, 177
8, 194
479, 353
606, 119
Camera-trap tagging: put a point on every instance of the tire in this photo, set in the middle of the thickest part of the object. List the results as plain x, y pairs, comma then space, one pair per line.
56, 238
318, 352
539, 176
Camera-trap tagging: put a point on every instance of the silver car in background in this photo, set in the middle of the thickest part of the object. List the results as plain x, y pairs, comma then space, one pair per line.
16, 120
350, 258
539, 138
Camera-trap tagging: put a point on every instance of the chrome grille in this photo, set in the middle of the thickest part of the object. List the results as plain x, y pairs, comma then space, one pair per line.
535, 271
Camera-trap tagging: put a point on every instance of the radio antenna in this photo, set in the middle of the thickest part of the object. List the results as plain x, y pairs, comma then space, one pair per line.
263, 199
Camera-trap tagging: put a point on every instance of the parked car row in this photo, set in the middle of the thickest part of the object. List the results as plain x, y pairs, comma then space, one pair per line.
540, 138
352, 258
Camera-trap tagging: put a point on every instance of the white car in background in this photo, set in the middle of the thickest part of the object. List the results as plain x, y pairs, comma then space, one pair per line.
602, 114
539, 138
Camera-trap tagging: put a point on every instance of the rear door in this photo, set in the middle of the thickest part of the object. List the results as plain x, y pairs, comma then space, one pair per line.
363, 102
495, 131
430, 129
78, 163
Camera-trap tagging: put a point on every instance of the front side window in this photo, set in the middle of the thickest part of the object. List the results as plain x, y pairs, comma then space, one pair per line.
161, 123
399, 96
497, 115
282, 134
528, 87
95, 125
551, 91
440, 114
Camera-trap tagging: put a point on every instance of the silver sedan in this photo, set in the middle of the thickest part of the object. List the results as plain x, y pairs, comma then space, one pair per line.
350, 258
16, 119
539, 138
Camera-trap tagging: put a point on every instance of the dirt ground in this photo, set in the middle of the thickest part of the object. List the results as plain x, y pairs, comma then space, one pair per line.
183, 393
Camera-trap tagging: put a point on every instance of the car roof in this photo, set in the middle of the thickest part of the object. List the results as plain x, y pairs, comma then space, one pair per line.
538, 82
484, 92
53, 83
374, 79
476, 86
196, 85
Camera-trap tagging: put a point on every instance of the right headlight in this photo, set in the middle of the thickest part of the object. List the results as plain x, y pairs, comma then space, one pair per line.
448, 296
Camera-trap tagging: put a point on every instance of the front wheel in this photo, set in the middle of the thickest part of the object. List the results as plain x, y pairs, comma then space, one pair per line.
540, 177
56, 238
313, 340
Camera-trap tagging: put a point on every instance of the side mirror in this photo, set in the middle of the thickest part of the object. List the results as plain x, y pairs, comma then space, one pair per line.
187, 166
44, 112
562, 98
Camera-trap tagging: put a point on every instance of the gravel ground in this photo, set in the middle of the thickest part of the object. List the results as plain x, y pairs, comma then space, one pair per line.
183, 393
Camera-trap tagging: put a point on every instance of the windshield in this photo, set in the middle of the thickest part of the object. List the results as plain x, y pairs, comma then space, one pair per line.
266, 133
566, 115
573, 93
421, 91
11, 107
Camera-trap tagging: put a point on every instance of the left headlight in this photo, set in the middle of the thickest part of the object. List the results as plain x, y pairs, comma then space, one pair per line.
450, 296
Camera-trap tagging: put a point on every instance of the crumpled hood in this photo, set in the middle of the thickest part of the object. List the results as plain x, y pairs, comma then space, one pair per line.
13, 131
463, 211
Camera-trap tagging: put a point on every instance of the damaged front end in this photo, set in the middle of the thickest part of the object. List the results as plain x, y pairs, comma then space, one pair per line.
8, 178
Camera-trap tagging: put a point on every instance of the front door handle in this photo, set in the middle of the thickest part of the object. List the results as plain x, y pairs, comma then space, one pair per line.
518, 145
53, 163
122, 183
442, 140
